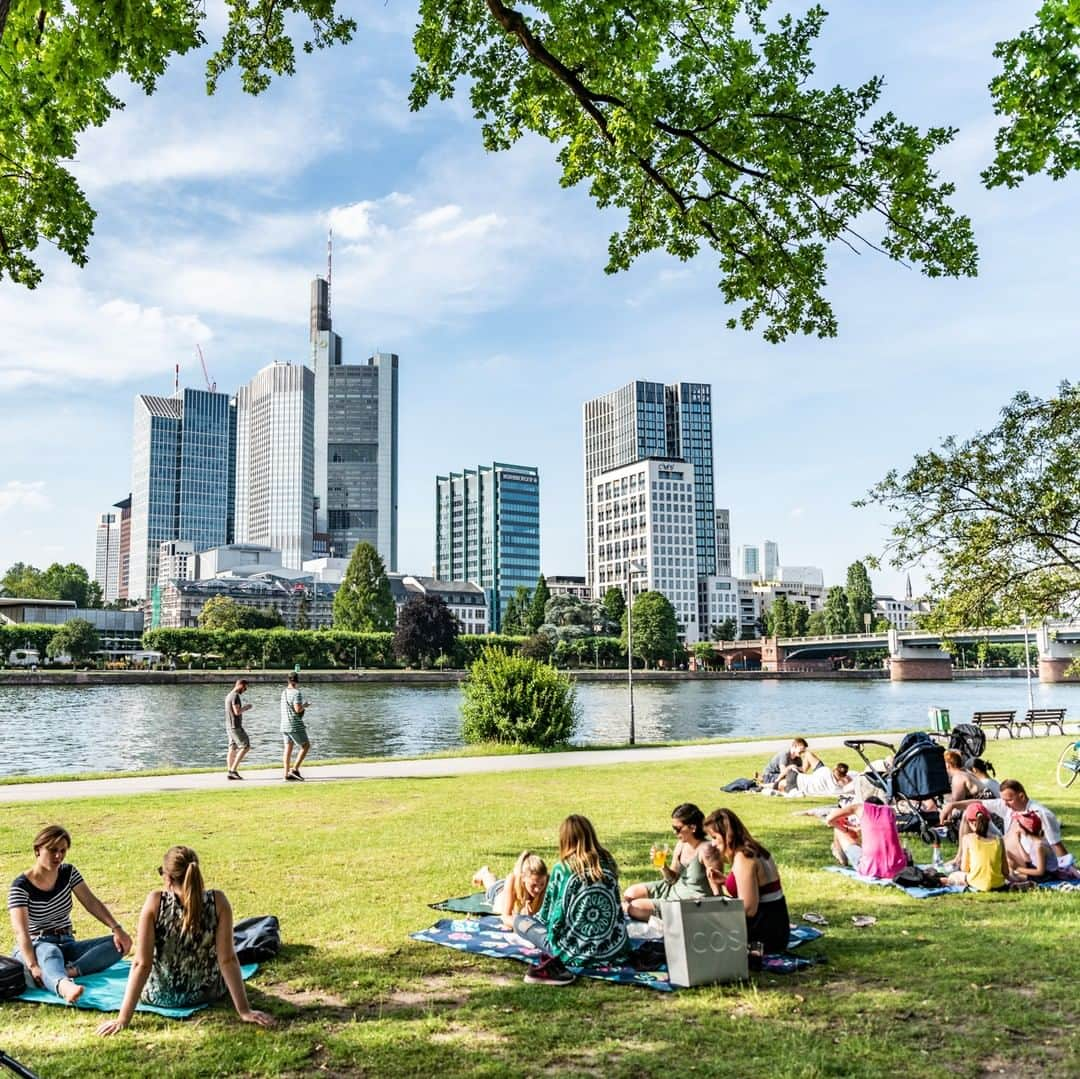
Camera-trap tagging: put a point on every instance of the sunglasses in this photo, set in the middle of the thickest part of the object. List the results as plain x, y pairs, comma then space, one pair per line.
677, 828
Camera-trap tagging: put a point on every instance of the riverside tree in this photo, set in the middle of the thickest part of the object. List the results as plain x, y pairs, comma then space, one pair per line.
76, 638
541, 594
426, 629
860, 596
996, 517
363, 602
836, 611
656, 630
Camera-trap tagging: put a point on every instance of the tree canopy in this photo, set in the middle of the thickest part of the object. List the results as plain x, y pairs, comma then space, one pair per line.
223, 612
995, 518
58, 581
363, 602
426, 629
655, 628
701, 120
860, 596
76, 638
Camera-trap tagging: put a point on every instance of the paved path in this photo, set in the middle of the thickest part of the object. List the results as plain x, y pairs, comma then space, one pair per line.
398, 769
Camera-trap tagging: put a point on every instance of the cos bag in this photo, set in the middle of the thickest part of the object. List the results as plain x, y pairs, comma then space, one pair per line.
705, 940
12, 978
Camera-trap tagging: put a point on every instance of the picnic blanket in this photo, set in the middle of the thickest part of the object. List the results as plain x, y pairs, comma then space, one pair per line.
484, 936
944, 889
104, 992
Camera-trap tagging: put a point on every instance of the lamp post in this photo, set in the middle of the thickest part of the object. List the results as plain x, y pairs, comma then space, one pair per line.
1027, 665
632, 567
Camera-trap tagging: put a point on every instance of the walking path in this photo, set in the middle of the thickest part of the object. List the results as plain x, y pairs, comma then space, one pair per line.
424, 768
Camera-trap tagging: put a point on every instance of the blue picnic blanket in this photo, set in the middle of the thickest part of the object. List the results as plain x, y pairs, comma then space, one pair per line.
104, 992
485, 936
944, 889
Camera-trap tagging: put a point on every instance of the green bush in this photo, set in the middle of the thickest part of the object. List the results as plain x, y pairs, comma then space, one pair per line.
509, 698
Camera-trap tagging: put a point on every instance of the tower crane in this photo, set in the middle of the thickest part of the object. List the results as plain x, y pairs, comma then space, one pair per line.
211, 386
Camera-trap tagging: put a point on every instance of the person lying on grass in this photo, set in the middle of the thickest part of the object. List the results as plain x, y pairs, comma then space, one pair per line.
981, 856
39, 903
522, 892
581, 921
820, 783
684, 878
865, 837
185, 954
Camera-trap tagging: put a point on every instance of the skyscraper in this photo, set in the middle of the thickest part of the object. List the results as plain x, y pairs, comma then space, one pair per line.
107, 556
487, 530
649, 419
275, 481
723, 543
124, 506
355, 438
182, 454
749, 562
771, 560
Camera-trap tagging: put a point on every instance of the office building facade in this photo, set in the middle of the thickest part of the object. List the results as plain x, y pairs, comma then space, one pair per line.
487, 530
645, 516
356, 442
124, 561
183, 450
107, 556
649, 419
723, 543
275, 461
770, 557
750, 563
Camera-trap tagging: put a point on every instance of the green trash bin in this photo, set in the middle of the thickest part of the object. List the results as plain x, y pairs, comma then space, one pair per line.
940, 719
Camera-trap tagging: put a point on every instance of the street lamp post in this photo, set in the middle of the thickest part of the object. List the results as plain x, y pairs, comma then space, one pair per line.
1027, 665
632, 567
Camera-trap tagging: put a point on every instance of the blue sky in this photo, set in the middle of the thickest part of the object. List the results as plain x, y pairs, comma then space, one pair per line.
487, 279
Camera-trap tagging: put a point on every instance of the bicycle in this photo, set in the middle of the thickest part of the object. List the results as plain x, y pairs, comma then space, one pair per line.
1068, 765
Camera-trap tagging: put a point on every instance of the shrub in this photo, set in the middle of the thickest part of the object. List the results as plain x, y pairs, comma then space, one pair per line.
517, 700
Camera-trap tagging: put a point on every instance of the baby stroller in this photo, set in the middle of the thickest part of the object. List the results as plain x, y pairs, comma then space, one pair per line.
914, 775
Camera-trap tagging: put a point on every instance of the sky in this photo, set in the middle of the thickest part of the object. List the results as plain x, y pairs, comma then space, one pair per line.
486, 277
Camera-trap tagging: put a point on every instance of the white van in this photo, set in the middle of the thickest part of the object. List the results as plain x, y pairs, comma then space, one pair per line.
24, 657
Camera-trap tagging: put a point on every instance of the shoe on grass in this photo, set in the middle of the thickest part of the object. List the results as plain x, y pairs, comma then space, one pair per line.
292, 777
550, 971
295, 774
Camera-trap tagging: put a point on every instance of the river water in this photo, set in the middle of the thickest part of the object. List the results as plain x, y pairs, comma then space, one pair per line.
72, 729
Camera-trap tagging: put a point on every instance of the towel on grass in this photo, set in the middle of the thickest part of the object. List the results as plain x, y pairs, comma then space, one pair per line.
914, 891
104, 992
484, 936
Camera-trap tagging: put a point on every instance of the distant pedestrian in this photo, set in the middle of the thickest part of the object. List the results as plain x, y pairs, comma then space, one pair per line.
239, 743
293, 730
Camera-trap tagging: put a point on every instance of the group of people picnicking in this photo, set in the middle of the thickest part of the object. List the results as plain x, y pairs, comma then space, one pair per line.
577, 916
184, 952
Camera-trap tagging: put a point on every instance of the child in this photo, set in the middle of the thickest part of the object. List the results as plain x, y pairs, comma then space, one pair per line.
522, 892
981, 856
1041, 862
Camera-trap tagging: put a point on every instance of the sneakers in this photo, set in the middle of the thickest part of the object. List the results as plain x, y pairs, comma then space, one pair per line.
295, 773
479, 875
550, 971
233, 775
294, 777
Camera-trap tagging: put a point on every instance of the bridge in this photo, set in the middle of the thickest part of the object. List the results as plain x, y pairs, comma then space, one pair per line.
912, 654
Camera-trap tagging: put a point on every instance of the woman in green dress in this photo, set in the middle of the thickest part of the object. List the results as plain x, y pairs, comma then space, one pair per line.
685, 877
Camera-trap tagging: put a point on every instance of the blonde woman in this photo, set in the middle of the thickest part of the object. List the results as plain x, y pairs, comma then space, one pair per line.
522, 892
185, 953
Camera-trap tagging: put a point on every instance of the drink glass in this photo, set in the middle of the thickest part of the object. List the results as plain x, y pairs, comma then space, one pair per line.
660, 855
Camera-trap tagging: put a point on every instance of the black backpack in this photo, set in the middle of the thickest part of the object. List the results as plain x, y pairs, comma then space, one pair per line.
257, 939
12, 978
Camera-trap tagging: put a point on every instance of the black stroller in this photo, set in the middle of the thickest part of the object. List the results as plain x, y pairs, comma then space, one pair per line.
914, 776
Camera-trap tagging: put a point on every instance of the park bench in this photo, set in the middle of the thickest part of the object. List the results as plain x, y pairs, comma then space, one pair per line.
1047, 717
997, 722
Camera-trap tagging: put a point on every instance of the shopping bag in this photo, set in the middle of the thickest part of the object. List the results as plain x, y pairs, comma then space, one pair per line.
705, 940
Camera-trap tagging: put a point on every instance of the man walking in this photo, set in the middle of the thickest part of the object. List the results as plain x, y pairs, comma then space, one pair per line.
239, 743
293, 730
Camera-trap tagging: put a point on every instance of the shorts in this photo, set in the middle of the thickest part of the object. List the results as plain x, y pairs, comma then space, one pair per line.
297, 734
852, 851
238, 737
496, 889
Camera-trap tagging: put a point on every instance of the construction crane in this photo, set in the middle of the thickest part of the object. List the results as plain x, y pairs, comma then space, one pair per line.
211, 386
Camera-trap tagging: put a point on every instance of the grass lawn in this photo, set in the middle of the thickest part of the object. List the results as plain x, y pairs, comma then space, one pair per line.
960, 985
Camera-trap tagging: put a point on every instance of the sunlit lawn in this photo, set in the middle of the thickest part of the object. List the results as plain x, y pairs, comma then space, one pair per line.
961, 985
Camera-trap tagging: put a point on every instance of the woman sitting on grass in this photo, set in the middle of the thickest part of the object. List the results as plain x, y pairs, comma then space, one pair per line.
40, 906
754, 879
581, 920
981, 856
871, 845
522, 892
685, 878
185, 954
1040, 862
963, 785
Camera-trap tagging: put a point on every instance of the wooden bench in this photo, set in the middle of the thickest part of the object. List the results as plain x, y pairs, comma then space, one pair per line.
1047, 717
997, 722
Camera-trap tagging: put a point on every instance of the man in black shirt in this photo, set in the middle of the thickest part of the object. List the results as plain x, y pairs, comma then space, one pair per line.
239, 743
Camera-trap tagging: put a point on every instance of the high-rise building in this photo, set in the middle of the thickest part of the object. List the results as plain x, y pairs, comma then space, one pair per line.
749, 562
723, 543
770, 560
275, 478
107, 556
182, 455
355, 439
487, 530
124, 506
645, 535
648, 419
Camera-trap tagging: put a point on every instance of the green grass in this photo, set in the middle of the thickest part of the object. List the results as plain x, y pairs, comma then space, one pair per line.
960, 986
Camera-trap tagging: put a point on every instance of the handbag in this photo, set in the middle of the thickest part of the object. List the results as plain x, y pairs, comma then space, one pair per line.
705, 940
257, 939
12, 978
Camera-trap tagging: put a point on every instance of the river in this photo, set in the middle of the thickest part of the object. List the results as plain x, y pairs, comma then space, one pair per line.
74, 729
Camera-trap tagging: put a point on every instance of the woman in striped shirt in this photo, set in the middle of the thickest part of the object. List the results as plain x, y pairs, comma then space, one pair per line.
40, 906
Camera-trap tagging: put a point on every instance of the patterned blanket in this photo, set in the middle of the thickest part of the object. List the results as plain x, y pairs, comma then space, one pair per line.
945, 889
485, 936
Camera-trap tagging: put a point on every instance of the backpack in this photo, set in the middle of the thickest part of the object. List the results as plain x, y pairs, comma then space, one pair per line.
736, 786
914, 877
12, 978
257, 939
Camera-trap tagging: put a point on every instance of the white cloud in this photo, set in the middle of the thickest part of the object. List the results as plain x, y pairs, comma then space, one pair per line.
24, 496
433, 219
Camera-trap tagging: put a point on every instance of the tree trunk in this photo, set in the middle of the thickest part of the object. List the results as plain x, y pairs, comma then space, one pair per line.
5, 7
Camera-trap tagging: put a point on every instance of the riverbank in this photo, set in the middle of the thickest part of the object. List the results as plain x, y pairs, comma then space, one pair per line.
442, 678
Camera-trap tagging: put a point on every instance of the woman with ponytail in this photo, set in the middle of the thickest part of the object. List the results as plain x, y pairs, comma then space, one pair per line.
185, 954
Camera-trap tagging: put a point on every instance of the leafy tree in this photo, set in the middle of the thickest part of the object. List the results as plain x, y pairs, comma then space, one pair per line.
515, 611
363, 603
517, 700
997, 516
22, 581
95, 597
614, 603
425, 630
568, 611
860, 596
780, 617
59, 581
656, 631
816, 625
725, 631
303, 612
539, 647
800, 619
541, 595
695, 117
836, 611
705, 654
223, 612
76, 638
